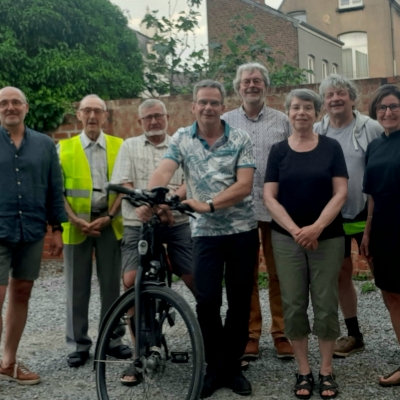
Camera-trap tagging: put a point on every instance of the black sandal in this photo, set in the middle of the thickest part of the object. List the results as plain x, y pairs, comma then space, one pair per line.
327, 382
131, 371
305, 382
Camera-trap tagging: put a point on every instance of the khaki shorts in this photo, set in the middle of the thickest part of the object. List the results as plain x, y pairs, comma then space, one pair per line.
22, 259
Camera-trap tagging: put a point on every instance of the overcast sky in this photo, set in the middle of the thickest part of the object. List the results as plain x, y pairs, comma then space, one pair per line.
136, 10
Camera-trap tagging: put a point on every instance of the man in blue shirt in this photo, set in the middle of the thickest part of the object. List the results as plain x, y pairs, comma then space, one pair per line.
218, 164
31, 197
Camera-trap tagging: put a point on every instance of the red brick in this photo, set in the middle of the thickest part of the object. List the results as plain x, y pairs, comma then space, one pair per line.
60, 135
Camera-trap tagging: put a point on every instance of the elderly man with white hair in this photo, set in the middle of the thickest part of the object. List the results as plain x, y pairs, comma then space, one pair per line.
266, 127
87, 163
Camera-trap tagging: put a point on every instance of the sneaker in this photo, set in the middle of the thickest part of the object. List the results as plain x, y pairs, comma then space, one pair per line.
283, 348
18, 372
251, 352
347, 345
211, 383
239, 384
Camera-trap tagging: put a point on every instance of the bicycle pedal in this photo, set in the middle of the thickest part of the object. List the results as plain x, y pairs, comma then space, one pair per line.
179, 357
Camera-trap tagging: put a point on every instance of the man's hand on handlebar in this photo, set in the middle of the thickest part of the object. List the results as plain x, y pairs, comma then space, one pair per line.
198, 206
163, 212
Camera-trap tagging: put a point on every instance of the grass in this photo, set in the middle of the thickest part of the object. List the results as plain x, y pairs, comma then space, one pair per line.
368, 287
361, 277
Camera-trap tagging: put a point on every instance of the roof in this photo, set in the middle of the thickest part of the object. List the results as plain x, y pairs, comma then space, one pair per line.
294, 21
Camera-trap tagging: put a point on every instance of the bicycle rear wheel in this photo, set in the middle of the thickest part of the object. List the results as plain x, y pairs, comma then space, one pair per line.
172, 367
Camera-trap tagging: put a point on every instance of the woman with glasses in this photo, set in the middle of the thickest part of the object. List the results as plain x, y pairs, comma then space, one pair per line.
305, 189
381, 240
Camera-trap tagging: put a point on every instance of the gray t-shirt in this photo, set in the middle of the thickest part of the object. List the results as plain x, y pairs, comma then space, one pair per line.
355, 162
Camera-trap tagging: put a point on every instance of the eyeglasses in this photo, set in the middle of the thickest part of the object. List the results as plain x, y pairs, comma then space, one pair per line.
157, 117
304, 108
213, 103
15, 103
88, 111
382, 108
256, 82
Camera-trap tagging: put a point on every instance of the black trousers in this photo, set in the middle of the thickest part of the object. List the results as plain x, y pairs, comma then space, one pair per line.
236, 254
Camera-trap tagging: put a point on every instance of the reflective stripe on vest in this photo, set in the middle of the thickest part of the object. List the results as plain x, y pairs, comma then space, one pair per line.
79, 187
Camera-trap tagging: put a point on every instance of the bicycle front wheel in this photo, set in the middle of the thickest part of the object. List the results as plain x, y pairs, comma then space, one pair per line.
172, 368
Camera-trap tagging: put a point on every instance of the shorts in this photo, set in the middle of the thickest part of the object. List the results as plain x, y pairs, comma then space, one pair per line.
23, 259
179, 248
347, 242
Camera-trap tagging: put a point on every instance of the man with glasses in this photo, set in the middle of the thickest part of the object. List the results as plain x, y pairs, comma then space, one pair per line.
265, 127
218, 165
31, 197
137, 160
87, 163
354, 132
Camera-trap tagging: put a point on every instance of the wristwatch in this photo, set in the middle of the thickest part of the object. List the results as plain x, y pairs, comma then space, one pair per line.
110, 216
211, 204
57, 228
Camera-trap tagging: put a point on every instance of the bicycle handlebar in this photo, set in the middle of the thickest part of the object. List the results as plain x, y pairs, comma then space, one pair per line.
155, 196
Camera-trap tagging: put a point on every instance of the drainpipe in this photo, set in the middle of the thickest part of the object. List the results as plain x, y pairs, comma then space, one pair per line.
392, 35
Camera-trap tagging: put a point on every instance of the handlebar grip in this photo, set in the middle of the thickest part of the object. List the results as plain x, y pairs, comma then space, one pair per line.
121, 189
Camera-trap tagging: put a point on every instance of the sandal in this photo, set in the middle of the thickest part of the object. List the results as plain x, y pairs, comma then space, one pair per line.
130, 373
327, 382
389, 384
305, 382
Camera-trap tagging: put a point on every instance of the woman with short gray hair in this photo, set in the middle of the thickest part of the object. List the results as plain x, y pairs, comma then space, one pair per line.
305, 189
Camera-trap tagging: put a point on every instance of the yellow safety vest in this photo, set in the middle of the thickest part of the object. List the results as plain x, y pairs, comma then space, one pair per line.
79, 187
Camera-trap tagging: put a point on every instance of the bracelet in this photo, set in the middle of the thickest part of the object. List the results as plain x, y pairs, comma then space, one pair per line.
211, 204
110, 216
369, 216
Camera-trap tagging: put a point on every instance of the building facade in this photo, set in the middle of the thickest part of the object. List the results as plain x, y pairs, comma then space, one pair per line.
369, 29
292, 41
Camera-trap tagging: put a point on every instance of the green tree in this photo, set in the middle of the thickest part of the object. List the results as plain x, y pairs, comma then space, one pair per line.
59, 51
174, 65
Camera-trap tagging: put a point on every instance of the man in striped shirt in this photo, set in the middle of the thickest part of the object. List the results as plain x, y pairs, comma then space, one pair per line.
265, 127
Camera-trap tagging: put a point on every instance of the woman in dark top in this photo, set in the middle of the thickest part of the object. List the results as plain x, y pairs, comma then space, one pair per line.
382, 183
305, 189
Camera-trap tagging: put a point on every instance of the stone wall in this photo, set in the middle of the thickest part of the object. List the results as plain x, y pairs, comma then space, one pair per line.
123, 122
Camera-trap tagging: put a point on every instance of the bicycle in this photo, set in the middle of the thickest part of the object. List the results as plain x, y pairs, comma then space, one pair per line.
168, 345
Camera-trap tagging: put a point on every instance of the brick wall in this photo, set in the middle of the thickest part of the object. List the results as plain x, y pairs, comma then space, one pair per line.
268, 27
123, 116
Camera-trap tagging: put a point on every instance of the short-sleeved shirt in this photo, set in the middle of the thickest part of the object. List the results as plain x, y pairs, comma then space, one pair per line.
210, 171
269, 127
382, 173
137, 159
31, 189
305, 182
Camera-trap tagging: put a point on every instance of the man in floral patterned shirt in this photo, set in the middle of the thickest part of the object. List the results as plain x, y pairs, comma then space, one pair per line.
219, 166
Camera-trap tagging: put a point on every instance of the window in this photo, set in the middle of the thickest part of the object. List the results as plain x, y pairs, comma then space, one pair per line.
324, 69
310, 64
334, 68
355, 55
299, 15
350, 3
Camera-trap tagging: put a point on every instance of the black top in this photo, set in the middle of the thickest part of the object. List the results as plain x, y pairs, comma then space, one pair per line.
382, 174
305, 182
31, 187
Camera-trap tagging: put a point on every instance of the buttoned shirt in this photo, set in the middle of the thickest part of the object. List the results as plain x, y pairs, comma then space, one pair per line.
210, 171
137, 159
31, 189
96, 153
269, 127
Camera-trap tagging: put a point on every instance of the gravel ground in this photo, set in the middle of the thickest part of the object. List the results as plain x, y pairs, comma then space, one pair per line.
43, 349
